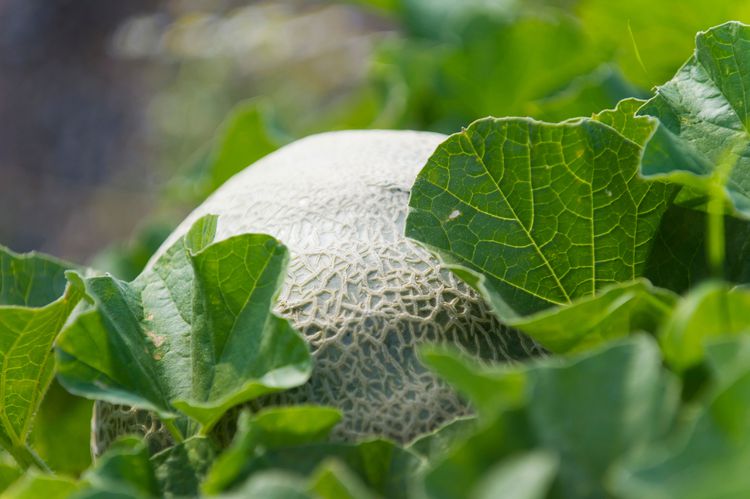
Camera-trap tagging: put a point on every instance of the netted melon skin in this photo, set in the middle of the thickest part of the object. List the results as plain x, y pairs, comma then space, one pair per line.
362, 294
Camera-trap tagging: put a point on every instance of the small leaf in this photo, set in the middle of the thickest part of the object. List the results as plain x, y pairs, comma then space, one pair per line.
528, 476
438, 442
272, 484
711, 458
333, 480
123, 471
703, 135
490, 389
381, 466
193, 334
594, 320
270, 428
9, 472
62, 413
180, 469
245, 136
710, 311
35, 303
33, 485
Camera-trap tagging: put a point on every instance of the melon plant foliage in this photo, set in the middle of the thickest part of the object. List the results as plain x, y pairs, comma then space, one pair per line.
618, 242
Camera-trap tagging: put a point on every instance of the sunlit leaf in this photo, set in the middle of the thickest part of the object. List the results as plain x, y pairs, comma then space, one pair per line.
194, 334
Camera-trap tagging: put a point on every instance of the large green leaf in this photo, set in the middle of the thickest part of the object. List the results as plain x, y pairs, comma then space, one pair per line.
563, 414
678, 255
34, 306
491, 389
704, 117
541, 214
194, 334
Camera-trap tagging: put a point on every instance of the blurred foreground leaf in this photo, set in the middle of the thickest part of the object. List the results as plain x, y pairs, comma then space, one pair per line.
35, 302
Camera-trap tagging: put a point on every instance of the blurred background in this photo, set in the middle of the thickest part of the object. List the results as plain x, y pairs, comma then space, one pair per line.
117, 118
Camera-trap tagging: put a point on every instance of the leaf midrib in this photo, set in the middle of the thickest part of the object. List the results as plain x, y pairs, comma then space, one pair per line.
517, 218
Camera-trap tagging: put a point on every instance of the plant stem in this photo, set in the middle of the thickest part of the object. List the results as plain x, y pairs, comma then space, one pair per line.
25, 457
174, 431
716, 246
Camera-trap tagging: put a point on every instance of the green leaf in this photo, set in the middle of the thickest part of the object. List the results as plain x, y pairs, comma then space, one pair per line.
270, 428
243, 139
710, 311
245, 136
541, 214
649, 40
704, 117
9, 471
180, 469
585, 95
487, 64
712, 457
333, 480
594, 320
127, 260
678, 258
272, 484
438, 442
380, 465
35, 303
490, 389
33, 485
442, 19
624, 119
458, 473
193, 334
62, 413
563, 414
528, 476
123, 471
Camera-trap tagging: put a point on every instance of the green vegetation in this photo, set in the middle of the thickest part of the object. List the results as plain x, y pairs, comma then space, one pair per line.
617, 241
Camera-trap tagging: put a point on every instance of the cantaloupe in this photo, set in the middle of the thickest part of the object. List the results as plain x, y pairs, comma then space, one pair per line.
363, 295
